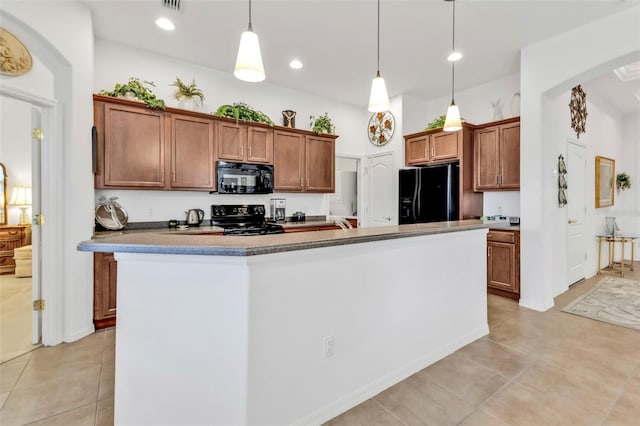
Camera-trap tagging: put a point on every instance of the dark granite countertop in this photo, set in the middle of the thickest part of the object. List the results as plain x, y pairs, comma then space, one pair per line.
195, 241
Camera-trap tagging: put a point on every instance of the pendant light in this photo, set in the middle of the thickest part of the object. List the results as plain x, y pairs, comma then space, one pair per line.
452, 122
378, 100
249, 61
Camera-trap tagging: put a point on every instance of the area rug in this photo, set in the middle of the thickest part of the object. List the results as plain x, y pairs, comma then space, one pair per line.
613, 300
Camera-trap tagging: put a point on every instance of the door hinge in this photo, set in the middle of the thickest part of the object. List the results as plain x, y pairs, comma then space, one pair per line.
38, 134
38, 219
38, 305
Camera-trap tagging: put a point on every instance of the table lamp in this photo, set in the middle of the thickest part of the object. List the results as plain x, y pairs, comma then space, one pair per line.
21, 198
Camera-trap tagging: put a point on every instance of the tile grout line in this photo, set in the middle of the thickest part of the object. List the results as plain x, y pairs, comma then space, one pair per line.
13, 387
391, 413
623, 388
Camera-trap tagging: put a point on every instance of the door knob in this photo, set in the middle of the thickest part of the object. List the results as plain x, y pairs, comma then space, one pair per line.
571, 221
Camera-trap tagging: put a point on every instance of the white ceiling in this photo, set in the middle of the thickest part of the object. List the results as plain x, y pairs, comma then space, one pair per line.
336, 40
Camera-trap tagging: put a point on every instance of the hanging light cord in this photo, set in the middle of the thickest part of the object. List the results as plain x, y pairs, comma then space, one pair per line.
453, 49
250, 27
378, 74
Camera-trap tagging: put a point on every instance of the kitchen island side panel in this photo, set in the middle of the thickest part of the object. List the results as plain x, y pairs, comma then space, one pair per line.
239, 340
392, 307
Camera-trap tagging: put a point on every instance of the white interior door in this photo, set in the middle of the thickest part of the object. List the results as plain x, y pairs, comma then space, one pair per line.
576, 211
382, 183
36, 208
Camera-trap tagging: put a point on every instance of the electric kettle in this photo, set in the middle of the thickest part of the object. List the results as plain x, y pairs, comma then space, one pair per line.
195, 217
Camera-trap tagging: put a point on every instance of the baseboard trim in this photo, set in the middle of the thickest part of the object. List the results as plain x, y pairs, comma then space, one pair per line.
537, 306
363, 393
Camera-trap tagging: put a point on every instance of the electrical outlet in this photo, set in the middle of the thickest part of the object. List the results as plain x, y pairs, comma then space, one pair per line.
328, 346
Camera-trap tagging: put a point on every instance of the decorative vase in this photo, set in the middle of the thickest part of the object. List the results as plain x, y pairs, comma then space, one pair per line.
192, 104
515, 104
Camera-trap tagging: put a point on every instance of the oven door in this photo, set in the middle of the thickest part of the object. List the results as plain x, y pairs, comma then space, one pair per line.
242, 178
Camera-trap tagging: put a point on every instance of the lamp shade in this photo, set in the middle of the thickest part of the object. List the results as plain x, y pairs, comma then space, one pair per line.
21, 196
378, 100
452, 122
249, 61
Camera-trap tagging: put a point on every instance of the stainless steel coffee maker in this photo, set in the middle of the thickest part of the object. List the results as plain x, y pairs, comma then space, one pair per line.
277, 210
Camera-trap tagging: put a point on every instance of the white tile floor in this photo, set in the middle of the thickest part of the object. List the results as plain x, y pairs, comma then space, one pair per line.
534, 368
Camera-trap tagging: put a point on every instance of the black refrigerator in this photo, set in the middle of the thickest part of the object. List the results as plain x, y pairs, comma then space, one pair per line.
430, 194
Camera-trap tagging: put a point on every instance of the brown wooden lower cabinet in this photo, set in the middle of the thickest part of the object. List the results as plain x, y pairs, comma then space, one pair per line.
503, 263
105, 278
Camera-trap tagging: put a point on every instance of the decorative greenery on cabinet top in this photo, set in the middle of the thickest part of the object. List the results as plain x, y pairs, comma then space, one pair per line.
242, 111
135, 88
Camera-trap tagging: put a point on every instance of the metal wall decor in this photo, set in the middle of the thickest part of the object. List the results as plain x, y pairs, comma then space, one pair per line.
289, 118
15, 58
381, 127
562, 182
578, 108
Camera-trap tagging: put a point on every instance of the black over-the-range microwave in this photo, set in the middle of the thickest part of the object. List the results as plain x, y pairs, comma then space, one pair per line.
244, 178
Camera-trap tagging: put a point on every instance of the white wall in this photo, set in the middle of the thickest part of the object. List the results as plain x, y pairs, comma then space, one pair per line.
116, 63
15, 148
60, 35
547, 70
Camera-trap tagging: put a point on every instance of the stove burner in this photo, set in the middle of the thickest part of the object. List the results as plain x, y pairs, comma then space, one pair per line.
267, 228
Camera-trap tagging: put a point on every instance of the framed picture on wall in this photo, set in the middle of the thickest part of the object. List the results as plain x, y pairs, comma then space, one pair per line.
605, 181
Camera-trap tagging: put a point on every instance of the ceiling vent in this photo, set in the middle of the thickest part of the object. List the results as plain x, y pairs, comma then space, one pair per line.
172, 4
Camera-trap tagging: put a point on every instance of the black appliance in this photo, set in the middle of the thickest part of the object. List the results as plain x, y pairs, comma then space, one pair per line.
243, 178
429, 194
243, 219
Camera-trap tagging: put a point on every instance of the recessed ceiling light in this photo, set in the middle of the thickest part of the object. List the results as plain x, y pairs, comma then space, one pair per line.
295, 64
455, 56
165, 24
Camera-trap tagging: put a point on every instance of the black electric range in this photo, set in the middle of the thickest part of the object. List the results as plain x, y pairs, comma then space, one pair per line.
243, 219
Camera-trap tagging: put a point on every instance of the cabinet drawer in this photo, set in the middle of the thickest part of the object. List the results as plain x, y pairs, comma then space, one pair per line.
501, 236
10, 233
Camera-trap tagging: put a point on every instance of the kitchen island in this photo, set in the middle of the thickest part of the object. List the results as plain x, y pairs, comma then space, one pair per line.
289, 328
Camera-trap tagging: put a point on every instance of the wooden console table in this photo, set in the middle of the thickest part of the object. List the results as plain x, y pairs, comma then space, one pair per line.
614, 266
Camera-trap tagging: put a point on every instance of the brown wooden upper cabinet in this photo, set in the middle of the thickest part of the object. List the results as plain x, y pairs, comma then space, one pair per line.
303, 163
245, 143
497, 156
433, 146
192, 153
131, 151
140, 148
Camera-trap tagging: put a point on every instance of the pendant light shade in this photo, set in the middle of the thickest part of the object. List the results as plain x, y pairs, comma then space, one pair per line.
453, 122
249, 65
379, 99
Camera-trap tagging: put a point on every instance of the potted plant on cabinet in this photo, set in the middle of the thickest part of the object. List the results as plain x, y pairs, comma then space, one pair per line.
134, 89
322, 124
242, 111
189, 95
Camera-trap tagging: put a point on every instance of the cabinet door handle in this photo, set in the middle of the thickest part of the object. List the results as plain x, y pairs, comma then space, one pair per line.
489, 251
497, 180
307, 182
241, 150
249, 150
300, 182
173, 176
162, 175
